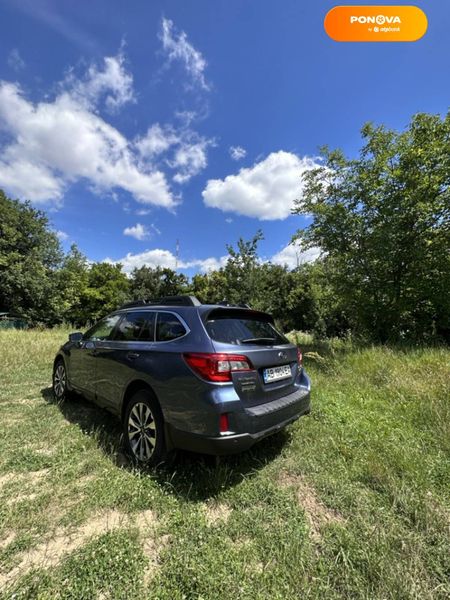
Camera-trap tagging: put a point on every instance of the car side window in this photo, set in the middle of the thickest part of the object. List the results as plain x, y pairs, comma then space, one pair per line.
136, 326
103, 329
168, 327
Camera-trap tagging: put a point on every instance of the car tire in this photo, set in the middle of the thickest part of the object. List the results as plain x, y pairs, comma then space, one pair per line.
59, 381
143, 430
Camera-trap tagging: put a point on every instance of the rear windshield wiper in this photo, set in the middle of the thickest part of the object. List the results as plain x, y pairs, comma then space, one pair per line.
259, 340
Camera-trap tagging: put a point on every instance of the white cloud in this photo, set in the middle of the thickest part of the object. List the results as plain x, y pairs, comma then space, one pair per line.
62, 235
141, 232
112, 83
165, 258
178, 48
15, 61
293, 256
183, 150
211, 264
25, 179
56, 143
138, 231
189, 159
265, 191
237, 152
156, 141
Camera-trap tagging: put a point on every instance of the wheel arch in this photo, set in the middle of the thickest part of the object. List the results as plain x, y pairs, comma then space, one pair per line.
58, 358
133, 387
61, 357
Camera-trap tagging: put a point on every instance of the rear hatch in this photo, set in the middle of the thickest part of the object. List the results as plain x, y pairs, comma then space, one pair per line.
252, 334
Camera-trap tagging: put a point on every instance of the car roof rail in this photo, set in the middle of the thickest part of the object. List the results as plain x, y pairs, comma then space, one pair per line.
134, 303
226, 303
182, 300
165, 301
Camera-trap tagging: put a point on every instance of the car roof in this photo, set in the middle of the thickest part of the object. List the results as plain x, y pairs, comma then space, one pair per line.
203, 309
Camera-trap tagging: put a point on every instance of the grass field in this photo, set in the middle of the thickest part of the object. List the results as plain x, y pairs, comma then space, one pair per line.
350, 502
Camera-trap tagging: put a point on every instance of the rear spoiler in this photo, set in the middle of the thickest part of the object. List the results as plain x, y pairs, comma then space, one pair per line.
232, 312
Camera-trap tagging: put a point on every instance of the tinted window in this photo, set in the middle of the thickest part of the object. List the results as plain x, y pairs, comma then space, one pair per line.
137, 326
168, 327
242, 330
103, 329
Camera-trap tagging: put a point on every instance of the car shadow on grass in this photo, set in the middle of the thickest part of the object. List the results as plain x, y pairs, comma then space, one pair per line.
187, 475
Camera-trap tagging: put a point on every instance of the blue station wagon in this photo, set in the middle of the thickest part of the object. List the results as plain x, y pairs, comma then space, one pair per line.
213, 379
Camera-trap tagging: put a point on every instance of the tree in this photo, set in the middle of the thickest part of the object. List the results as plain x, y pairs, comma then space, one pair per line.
241, 270
107, 289
73, 282
30, 254
383, 222
152, 283
211, 287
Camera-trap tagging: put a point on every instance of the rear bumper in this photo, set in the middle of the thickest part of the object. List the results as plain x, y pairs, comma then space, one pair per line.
235, 443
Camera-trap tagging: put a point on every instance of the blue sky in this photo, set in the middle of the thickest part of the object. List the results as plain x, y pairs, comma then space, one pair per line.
134, 125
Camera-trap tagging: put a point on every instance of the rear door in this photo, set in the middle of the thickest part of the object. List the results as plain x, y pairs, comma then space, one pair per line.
253, 334
83, 356
120, 359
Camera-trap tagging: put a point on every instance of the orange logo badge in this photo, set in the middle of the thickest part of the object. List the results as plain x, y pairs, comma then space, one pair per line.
375, 23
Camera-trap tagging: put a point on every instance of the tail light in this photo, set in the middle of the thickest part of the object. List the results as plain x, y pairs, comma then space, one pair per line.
299, 357
217, 367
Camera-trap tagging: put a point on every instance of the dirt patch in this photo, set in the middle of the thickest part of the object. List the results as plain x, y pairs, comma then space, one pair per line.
243, 542
35, 476
6, 541
152, 547
145, 520
21, 498
316, 512
31, 477
65, 541
62, 542
10, 420
217, 513
85, 479
6, 478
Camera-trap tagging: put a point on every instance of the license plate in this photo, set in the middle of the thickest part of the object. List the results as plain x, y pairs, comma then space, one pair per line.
276, 373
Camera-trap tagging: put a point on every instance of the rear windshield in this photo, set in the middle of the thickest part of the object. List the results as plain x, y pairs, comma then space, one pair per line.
241, 330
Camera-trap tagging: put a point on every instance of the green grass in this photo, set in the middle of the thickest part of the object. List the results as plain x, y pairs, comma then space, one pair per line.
350, 502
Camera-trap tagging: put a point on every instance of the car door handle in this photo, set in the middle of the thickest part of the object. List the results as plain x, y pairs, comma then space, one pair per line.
132, 355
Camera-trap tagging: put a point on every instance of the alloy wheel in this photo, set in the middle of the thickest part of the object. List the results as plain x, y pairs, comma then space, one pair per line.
59, 381
142, 431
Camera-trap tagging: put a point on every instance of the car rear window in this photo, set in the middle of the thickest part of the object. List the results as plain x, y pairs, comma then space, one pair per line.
136, 326
168, 327
243, 329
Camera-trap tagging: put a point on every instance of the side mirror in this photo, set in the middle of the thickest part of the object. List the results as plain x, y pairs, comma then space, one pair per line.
75, 337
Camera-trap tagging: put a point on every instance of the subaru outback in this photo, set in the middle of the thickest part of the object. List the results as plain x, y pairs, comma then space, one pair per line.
180, 374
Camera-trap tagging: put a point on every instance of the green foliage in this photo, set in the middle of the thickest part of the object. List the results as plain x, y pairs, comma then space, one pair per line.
241, 270
151, 283
383, 221
209, 287
73, 282
30, 255
288, 295
107, 288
